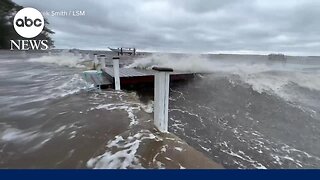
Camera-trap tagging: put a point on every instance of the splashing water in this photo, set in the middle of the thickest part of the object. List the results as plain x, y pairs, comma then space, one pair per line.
62, 59
263, 77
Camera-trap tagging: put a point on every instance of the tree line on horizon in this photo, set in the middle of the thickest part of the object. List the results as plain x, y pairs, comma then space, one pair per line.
8, 9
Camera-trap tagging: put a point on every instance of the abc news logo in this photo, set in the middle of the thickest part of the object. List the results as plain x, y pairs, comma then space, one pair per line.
28, 23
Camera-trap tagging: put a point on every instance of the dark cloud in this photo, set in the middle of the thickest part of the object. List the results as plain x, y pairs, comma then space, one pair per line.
230, 26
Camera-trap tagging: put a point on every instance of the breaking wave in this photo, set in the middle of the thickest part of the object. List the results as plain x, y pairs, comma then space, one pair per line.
62, 59
273, 78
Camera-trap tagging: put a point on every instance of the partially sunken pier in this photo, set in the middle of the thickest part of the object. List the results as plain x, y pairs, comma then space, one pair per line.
133, 76
159, 78
112, 73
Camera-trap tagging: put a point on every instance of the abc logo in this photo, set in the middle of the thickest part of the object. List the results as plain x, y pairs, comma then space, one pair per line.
28, 22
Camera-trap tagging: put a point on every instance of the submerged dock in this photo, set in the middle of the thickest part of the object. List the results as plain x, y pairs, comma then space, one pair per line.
129, 77
112, 73
133, 76
160, 78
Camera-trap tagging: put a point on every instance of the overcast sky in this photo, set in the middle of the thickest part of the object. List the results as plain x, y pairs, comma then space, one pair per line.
195, 26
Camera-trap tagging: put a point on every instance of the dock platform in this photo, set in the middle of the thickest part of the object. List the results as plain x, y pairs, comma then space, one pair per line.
133, 76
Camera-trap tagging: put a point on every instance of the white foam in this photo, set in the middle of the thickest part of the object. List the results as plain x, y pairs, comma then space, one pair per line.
148, 108
16, 135
241, 155
125, 155
122, 106
131, 107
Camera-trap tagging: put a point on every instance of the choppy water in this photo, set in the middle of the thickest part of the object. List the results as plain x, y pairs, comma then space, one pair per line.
243, 112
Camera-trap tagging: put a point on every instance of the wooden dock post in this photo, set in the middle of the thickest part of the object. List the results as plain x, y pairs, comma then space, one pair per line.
161, 98
116, 73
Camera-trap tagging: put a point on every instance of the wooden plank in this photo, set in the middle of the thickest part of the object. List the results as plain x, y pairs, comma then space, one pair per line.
127, 72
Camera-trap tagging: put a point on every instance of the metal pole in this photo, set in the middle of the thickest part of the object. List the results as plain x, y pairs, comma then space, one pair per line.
161, 98
116, 73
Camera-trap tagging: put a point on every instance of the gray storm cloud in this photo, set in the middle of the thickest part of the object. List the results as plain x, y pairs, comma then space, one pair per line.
221, 26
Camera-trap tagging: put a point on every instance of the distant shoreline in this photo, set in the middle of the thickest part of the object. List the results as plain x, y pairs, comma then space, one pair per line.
148, 52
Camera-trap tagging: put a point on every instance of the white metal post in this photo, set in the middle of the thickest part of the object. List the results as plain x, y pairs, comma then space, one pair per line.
103, 61
116, 73
161, 98
95, 59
